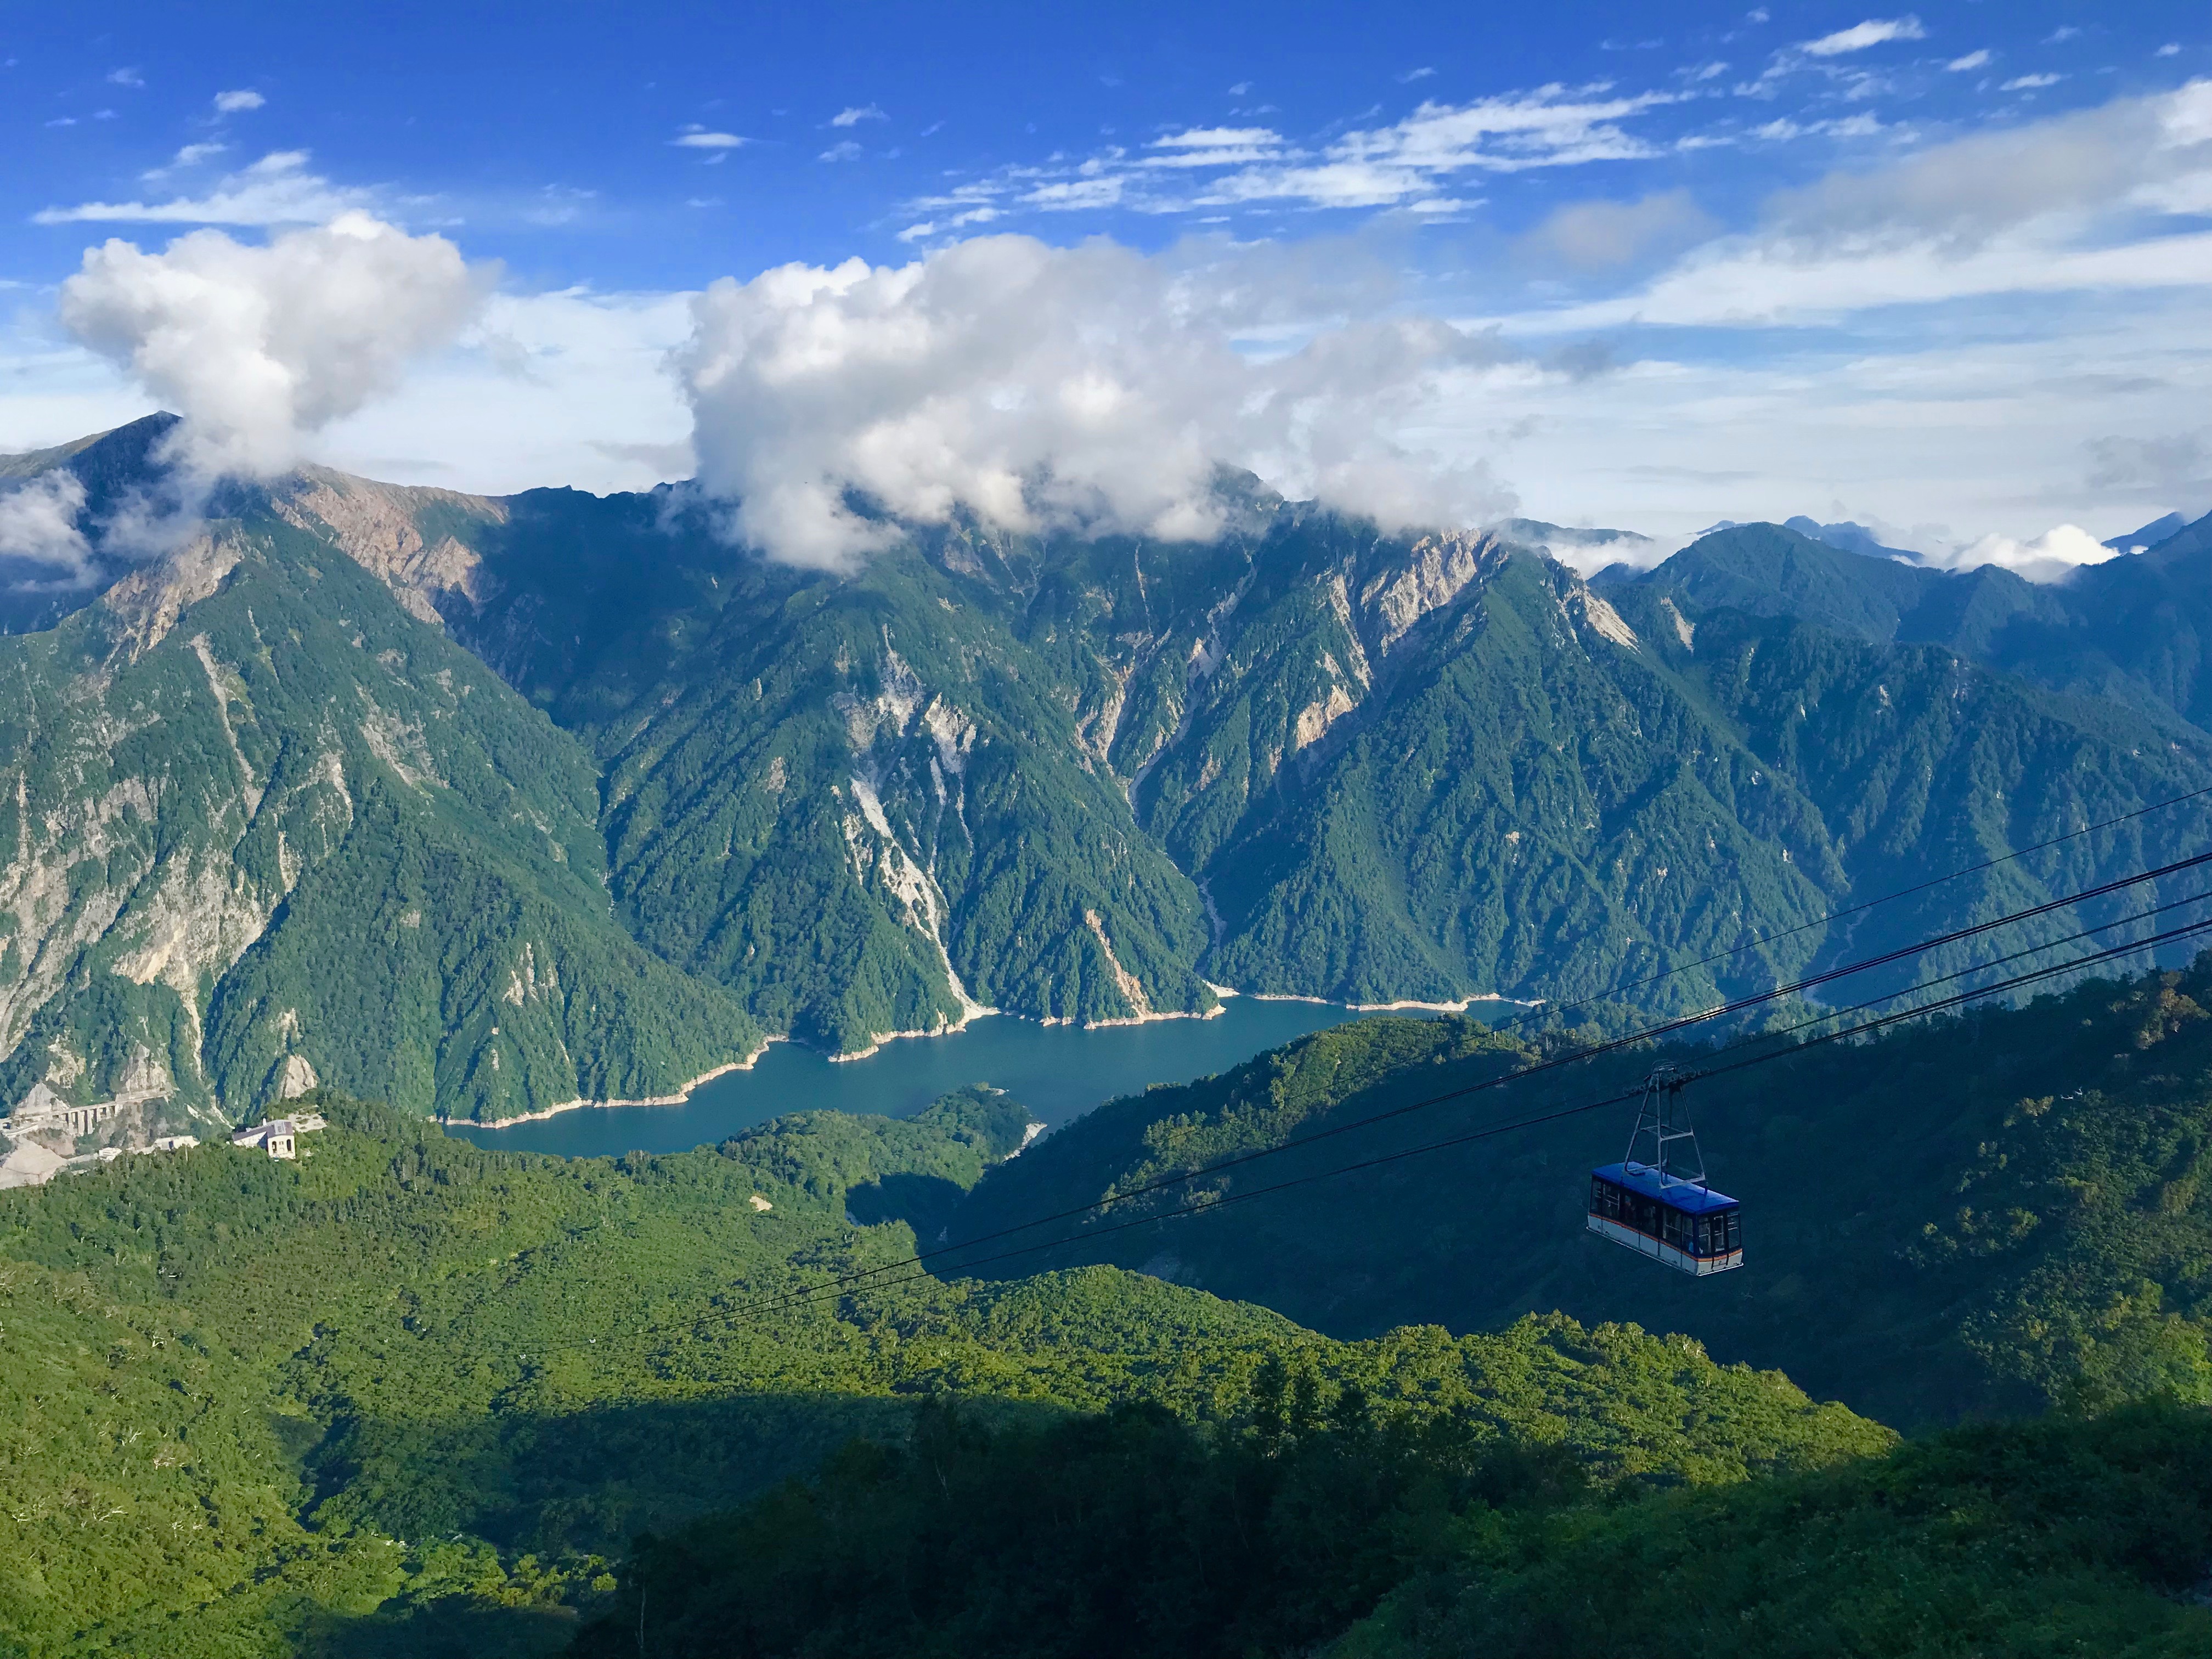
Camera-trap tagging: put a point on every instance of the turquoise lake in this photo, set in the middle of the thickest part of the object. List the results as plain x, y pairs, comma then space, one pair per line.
1059, 1072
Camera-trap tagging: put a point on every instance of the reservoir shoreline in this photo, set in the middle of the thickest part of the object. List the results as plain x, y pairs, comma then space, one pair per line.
1058, 1071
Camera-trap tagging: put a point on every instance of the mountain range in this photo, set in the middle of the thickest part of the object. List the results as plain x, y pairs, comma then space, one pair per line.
482, 805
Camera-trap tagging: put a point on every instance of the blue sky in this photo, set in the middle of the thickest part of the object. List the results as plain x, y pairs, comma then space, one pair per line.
1699, 229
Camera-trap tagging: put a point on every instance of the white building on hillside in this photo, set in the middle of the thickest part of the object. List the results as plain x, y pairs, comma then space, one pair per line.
280, 1135
274, 1137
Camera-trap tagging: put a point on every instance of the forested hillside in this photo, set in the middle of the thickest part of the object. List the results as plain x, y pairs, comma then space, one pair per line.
1132, 1534
1938, 1242
2133, 629
2000, 1212
266, 829
1378, 767
254, 1401
1073, 779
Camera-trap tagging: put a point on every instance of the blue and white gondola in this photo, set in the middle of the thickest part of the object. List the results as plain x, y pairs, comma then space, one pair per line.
1678, 1224
1654, 1204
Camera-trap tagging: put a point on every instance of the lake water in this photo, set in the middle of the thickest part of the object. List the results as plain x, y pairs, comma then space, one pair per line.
1059, 1072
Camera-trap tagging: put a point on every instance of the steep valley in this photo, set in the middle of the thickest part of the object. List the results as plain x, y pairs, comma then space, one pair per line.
1071, 779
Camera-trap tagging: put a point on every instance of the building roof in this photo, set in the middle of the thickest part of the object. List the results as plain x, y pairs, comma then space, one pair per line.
1679, 1195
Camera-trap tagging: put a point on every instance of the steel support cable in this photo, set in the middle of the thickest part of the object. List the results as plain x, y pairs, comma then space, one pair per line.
915, 1271
1652, 1033
1853, 909
1823, 1018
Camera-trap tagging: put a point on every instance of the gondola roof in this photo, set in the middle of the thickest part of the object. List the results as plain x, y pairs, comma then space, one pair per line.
1681, 1194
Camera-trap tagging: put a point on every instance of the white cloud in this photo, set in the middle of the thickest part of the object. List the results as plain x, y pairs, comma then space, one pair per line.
852, 116
2060, 35
2171, 48
126, 77
38, 521
2051, 207
258, 347
1411, 76
1033, 386
567, 387
709, 140
1975, 420
276, 190
2030, 82
846, 151
1979, 58
1875, 32
928, 228
2174, 469
1590, 550
189, 156
1215, 147
233, 103
1411, 165
1592, 236
1410, 160
2051, 557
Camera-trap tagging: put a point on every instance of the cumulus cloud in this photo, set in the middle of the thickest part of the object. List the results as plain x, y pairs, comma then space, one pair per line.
1978, 58
852, 116
258, 347
1036, 386
39, 523
233, 103
698, 138
2051, 557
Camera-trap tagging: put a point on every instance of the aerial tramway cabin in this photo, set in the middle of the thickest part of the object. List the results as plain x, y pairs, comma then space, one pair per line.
1661, 1207
1678, 1224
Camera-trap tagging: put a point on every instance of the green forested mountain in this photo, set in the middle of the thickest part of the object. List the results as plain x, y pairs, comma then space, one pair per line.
1377, 767
1994, 1213
2132, 630
1078, 779
1931, 1238
265, 828
405, 1396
